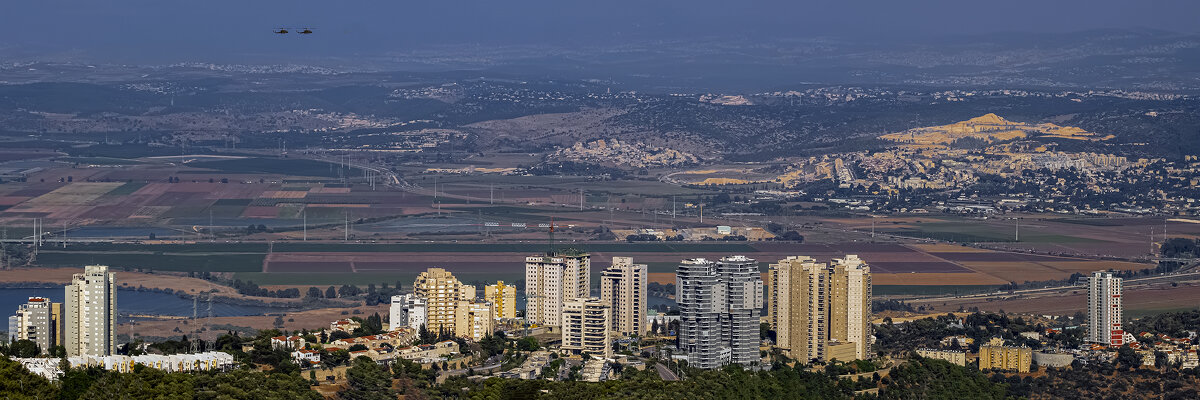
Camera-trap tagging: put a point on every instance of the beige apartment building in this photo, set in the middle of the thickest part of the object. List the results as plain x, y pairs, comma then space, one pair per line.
503, 297
623, 289
473, 319
821, 312
797, 306
955, 357
1005, 358
586, 326
850, 304
442, 293
551, 280
90, 313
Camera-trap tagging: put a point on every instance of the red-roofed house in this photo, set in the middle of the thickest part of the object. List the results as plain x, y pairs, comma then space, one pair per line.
287, 342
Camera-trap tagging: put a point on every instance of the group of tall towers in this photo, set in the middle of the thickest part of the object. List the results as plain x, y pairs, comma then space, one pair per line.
558, 294
84, 324
719, 304
821, 311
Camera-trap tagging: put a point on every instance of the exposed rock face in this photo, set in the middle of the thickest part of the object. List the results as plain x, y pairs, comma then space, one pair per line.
990, 128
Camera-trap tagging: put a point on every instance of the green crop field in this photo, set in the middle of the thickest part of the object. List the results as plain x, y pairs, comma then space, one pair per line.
562, 184
172, 248
158, 262
126, 189
99, 161
281, 166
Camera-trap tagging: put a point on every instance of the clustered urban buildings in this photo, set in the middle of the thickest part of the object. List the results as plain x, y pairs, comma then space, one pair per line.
85, 324
1104, 331
822, 311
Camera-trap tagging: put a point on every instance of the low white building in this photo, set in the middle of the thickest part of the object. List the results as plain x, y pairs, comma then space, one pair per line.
407, 311
287, 342
596, 370
306, 357
207, 361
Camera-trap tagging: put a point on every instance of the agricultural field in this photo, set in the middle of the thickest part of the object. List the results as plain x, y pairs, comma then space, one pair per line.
897, 268
276, 166
155, 261
1124, 237
1137, 301
324, 230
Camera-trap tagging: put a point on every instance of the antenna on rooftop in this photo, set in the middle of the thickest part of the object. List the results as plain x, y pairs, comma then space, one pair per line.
551, 235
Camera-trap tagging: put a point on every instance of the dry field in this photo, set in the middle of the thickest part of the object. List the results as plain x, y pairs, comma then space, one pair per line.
1137, 300
940, 264
130, 279
309, 319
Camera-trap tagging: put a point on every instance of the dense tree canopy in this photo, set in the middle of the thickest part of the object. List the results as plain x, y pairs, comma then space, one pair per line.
367, 381
147, 383
927, 378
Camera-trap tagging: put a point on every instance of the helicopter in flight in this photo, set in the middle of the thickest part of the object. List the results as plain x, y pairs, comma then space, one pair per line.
304, 31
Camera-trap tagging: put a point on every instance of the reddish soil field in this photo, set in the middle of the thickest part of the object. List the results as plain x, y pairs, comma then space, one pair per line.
260, 212
195, 187
946, 248
909, 257
153, 189
12, 200
177, 199
919, 267
294, 320
996, 257
237, 191
113, 212
844, 248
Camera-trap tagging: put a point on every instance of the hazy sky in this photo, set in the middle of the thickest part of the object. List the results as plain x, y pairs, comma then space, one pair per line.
203, 29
